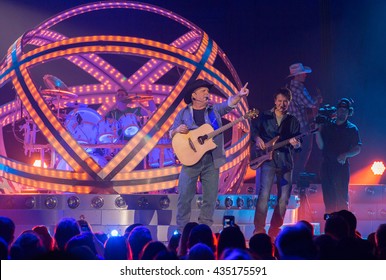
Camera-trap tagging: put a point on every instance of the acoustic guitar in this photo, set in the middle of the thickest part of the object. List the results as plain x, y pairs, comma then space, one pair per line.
190, 148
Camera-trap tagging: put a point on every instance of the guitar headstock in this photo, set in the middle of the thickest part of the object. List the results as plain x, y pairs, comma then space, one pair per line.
251, 114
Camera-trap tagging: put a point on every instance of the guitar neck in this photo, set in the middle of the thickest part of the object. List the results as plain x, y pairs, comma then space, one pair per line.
225, 127
285, 142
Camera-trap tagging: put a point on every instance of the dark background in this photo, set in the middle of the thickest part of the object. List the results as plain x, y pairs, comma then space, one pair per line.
343, 41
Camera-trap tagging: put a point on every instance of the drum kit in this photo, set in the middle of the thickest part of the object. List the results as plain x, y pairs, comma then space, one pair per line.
102, 137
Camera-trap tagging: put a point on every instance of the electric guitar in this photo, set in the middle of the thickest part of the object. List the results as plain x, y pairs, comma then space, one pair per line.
260, 156
189, 148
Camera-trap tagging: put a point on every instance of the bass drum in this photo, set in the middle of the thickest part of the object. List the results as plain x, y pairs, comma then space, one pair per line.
63, 165
82, 125
154, 158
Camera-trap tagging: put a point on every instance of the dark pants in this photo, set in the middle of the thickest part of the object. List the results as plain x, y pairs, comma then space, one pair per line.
301, 158
335, 181
284, 187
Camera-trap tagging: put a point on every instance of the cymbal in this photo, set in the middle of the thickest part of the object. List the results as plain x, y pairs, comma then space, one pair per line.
53, 82
75, 105
63, 94
138, 98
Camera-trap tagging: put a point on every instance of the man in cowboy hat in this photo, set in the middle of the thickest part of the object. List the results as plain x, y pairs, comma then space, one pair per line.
301, 102
198, 112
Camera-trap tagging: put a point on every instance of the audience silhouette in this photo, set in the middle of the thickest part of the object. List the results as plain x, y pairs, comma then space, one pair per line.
116, 248
138, 238
339, 241
152, 249
183, 244
230, 237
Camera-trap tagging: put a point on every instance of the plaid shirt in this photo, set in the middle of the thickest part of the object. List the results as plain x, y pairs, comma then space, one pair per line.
301, 100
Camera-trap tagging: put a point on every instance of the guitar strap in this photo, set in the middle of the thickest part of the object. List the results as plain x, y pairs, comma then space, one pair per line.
213, 119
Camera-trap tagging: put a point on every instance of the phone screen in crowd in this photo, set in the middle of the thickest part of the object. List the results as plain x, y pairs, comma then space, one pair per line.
228, 221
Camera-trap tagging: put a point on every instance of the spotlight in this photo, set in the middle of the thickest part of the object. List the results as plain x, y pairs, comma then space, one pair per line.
240, 202
143, 202
73, 202
51, 202
164, 202
250, 203
199, 201
114, 232
97, 202
250, 189
228, 202
120, 202
378, 168
30, 202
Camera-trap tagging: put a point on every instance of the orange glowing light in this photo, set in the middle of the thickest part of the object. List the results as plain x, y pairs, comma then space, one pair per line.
38, 163
378, 168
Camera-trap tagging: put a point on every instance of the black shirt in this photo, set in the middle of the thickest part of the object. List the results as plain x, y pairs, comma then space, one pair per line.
199, 116
338, 139
267, 128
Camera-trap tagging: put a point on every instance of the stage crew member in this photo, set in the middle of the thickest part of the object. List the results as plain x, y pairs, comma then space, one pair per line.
339, 140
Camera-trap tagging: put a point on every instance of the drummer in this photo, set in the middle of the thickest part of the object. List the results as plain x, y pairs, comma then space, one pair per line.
121, 109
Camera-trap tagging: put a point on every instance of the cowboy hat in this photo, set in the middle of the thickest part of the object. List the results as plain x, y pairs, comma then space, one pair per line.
192, 86
298, 68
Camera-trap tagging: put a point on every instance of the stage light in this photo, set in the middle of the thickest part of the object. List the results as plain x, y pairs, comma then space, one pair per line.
97, 202
272, 202
228, 202
199, 201
240, 202
73, 202
143, 202
120, 202
382, 213
114, 232
164, 202
250, 203
30, 202
378, 168
51, 202
38, 163
250, 189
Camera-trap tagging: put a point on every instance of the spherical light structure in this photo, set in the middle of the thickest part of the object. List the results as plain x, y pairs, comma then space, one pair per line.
160, 69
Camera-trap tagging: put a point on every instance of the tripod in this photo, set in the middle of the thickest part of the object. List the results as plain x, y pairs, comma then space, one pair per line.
302, 184
305, 210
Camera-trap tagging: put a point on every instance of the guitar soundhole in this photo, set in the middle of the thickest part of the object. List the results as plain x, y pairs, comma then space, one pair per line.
202, 139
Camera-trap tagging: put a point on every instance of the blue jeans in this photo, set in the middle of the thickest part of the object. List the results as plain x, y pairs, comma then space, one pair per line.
284, 188
187, 184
